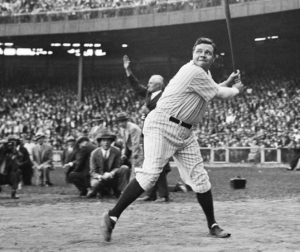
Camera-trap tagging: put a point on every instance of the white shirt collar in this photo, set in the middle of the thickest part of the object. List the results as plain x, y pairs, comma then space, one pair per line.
154, 94
104, 151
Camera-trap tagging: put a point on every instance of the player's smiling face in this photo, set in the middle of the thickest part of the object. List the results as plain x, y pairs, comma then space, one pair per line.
203, 56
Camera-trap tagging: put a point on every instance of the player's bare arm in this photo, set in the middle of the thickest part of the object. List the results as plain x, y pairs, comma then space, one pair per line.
240, 86
229, 92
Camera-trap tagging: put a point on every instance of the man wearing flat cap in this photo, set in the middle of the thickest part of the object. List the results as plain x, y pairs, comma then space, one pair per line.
105, 167
80, 176
10, 173
131, 134
69, 155
97, 121
42, 158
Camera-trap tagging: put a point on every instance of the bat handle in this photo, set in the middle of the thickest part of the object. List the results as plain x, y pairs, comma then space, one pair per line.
237, 79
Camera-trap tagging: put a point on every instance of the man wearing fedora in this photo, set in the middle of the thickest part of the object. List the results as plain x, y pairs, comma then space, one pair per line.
131, 134
42, 158
69, 155
80, 176
10, 173
151, 93
98, 126
105, 167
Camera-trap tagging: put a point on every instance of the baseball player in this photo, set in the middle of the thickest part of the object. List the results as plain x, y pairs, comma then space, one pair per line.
168, 132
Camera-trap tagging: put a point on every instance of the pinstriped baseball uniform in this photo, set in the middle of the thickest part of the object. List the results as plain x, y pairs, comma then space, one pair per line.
185, 98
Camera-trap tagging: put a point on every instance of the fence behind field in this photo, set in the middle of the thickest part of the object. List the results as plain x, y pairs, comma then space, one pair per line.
234, 155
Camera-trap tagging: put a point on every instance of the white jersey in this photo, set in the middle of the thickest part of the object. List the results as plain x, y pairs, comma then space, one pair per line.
187, 94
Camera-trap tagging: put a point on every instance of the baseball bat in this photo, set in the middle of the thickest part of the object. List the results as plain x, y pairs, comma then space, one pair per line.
228, 19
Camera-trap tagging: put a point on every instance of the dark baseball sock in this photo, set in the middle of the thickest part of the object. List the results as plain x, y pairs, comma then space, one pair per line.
206, 202
131, 193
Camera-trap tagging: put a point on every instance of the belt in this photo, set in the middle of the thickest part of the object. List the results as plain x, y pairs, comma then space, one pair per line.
181, 123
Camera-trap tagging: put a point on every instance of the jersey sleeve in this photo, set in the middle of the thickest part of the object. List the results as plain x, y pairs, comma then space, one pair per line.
204, 85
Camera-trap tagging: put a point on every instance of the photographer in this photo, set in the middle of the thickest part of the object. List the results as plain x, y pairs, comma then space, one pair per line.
25, 163
10, 173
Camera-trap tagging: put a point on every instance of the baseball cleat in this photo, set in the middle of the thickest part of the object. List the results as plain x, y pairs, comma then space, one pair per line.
107, 225
218, 232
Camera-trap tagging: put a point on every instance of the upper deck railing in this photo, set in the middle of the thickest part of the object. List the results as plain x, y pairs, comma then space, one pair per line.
110, 12
133, 17
117, 11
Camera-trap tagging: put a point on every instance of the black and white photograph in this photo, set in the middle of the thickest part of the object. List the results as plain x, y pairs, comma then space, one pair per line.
149, 125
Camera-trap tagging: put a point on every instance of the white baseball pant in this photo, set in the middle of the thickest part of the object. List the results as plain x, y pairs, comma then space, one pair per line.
163, 139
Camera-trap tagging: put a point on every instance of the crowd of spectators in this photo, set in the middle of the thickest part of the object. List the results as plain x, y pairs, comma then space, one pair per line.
30, 11
12, 7
57, 112
266, 115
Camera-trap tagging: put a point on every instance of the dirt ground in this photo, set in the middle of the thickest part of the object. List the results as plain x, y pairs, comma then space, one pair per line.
61, 221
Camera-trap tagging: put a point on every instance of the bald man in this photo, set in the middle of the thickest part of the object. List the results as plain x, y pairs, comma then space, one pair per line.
152, 93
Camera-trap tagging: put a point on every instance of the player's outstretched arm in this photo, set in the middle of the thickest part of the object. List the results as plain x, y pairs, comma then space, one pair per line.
126, 63
229, 92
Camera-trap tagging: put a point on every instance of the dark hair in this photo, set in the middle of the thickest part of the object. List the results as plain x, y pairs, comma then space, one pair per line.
205, 41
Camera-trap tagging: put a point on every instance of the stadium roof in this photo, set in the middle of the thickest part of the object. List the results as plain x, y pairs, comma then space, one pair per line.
177, 40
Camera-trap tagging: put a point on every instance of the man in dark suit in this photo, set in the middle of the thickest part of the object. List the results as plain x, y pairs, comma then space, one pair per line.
80, 176
42, 158
152, 95
69, 156
10, 173
105, 167
25, 163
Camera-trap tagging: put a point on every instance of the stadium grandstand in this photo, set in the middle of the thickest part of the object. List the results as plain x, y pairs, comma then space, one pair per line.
61, 63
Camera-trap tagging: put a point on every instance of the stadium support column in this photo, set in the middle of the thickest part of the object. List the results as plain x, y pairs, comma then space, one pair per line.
297, 56
92, 69
80, 68
3, 66
47, 73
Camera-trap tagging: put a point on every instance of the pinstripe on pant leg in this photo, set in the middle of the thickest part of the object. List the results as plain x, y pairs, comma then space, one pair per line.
163, 139
157, 149
190, 165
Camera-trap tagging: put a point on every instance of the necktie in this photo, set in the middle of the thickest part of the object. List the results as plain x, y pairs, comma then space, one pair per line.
105, 163
41, 157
